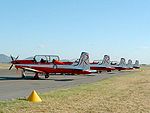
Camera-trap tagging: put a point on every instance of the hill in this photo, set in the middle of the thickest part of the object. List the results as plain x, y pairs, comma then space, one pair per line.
4, 58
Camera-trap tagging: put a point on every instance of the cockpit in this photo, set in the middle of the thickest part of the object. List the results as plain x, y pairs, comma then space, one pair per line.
45, 58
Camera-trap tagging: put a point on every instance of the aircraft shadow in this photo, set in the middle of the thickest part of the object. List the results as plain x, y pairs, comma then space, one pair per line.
19, 78
10, 78
63, 79
31, 78
111, 73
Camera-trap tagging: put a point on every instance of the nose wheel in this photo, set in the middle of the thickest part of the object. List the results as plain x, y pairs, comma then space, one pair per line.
99, 71
23, 74
47, 76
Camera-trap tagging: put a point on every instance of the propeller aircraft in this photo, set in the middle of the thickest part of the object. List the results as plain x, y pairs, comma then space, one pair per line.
123, 66
104, 66
136, 65
49, 65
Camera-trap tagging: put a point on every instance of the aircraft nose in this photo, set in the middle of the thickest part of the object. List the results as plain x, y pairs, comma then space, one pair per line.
14, 62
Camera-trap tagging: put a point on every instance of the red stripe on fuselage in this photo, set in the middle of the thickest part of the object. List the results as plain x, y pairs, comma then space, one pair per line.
120, 68
102, 68
56, 70
61, 70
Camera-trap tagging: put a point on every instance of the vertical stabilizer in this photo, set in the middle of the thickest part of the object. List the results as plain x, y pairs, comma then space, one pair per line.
84, 61
137, 64
106, 60
122, 62
129, 64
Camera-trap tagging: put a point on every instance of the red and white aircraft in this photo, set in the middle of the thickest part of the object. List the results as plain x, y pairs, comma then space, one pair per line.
47, 66
37, 59
104, 66
129, 65
136, 65
123, 66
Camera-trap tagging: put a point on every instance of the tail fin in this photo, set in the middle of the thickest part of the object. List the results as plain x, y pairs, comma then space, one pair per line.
122, 62
130, 65
84, 61
137, 64
106, 60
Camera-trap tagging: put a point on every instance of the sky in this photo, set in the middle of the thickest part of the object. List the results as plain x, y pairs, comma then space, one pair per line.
119, 28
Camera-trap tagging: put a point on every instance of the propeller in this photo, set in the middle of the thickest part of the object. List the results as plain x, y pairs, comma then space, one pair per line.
17, 57
12, 58
10, 66
13, 61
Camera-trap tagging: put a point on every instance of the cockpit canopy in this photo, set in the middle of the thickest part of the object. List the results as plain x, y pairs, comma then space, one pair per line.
45, 58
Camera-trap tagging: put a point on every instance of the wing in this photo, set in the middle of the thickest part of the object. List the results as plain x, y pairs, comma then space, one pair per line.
32, 70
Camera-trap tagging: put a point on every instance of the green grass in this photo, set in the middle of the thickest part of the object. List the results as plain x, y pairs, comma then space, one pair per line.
120, 94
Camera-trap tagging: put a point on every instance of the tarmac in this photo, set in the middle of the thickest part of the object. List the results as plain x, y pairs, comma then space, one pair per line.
12, 86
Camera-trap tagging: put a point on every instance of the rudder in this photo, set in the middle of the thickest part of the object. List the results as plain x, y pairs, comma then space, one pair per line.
122, 62
106, 60
84, 61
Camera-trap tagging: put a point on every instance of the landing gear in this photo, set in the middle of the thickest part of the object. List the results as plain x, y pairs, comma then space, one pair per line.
46, 75
23, 74
99, 71
36, 76
109, 71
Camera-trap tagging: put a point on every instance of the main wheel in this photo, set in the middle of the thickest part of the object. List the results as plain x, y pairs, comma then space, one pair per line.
36, 77
46, 76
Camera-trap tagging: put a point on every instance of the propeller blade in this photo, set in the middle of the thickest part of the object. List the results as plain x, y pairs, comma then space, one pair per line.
17, 57
10, 66
12, 58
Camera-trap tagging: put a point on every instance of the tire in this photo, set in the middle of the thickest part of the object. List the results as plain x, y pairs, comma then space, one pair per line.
46, 76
